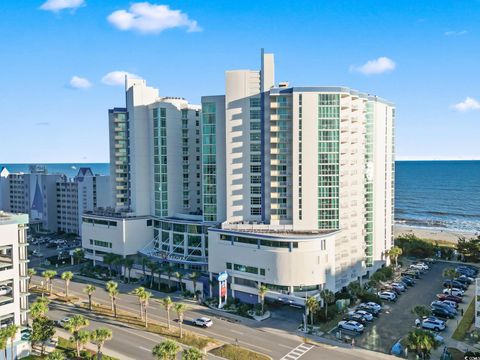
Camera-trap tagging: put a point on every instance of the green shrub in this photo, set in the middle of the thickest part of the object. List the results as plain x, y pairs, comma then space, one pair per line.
366, 297
332, 312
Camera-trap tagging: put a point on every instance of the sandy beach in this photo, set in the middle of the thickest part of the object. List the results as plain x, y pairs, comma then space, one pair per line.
432, 234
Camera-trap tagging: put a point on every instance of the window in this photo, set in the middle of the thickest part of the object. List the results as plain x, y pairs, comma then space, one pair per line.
255, 168
255, 125
255, 190
255, 211
255, 102
255, 201
255, 179
149, 222
255, 158
255, 136
229, 266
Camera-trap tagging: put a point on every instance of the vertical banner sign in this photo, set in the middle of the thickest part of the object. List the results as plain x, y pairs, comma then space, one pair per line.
222, 289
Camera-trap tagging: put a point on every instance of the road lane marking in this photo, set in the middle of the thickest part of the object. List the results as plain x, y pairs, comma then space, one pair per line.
144, 348
236, 332
297, 352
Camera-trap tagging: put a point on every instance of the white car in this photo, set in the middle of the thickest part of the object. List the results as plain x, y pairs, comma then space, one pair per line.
418, 267
350, 325
5, 290
450, 303
433, 324
387, 295
203, 322
453, 291
399, 286
62, 322
374, 305
365, 314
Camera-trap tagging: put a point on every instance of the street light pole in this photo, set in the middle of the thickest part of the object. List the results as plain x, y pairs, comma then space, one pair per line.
305, 316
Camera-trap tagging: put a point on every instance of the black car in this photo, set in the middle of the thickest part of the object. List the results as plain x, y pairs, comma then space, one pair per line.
408, 280
464, 280
356, 317
466, 271
411, 273
454, 284
442, 313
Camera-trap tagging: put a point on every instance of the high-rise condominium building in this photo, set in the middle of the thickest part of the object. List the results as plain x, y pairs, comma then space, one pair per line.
14, 277
291, 187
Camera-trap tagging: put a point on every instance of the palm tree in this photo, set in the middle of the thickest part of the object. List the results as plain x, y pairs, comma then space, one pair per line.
180, 309
421, 311
327, 297
166, 350
194, 276
31, 272
99, 337
394, 253
262, 291
3, 343
74, 325
48, 275
82, 338
78, 255
56, 355
67, 276
128, 263
450, 273
422, 342
167, 304
139, 291
169, 270
144, 264
152, 266
89, 290
312, 305
145, 297
192, 354
39, 308
160, 271
179, 276
11, 333
354, 289
109, 259
112, 289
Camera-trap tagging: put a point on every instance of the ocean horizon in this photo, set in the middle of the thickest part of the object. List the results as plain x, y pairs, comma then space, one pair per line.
432, 194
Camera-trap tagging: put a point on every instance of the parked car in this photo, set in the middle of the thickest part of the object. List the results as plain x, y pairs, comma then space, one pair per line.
356, 317
408, 280
37, 253
445, 304
453, 291
5, 290
393, 289
371, 307
365, 314
420, 266
412, 273
466, 271
445, 307
433, 325
450, 303
62, 322
399, 285
454, 284
351, 325
442, 297
203, 322
387, 295
465, 280
442, 313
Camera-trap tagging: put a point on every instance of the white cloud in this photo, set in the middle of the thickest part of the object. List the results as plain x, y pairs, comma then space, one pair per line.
151, 19
466, 105
117, 77
456, 33
77, 82
377, 66
58, 5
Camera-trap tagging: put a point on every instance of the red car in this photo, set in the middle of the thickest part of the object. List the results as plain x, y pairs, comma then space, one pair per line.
442, 297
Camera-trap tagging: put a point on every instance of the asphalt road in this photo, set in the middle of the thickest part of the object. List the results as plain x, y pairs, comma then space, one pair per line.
137, 344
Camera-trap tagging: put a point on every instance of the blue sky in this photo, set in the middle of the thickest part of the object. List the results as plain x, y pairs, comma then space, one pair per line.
432, 51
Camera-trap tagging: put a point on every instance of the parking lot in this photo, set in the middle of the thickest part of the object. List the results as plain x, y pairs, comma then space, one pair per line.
397, 319
38, 252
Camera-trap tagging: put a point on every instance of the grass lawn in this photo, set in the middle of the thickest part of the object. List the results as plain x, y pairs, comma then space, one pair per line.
188, 338
465, 323
233, 352
326, 326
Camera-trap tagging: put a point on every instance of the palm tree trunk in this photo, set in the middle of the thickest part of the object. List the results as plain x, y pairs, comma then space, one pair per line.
326, 311
11, 348
66, 290
195, 290
111, 304
115, 308
141, 309
311, 317
168, 319
181, 329
146, 318
78, 348
99, 352
90, 302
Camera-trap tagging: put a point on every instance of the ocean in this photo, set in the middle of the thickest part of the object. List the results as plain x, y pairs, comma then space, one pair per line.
430, 194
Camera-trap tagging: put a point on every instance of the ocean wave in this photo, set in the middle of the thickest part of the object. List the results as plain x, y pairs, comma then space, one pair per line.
442, 213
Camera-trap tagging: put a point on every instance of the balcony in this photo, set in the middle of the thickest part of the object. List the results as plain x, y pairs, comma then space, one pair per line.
274, 140
274, 151
274, 117
274, 128
274, 105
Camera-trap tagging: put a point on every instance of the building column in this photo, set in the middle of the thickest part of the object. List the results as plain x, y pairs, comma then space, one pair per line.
232, 287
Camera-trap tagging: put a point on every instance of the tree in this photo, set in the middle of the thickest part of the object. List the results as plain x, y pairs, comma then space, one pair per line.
166, 350
145, 298
109, 259
312, 306
194, 276
11, 332
179, 276
152, 267
48, 275
327, 297
262, 291
354, 289
74, 325
112, 289
99, 337
421, 311
422, 342
167, 304
192, 354
31, 272
82, 338
180, 309
469, 249
139, 291
78, 255
43, 330
67, 276
144, 265
128, 263
39, 308
394, 253
169, 270
89, 290
3, 343
450, 273
56, 355
160, 271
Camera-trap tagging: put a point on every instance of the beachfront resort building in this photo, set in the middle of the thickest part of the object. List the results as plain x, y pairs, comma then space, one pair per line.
287, 186
54, 202
14, 277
